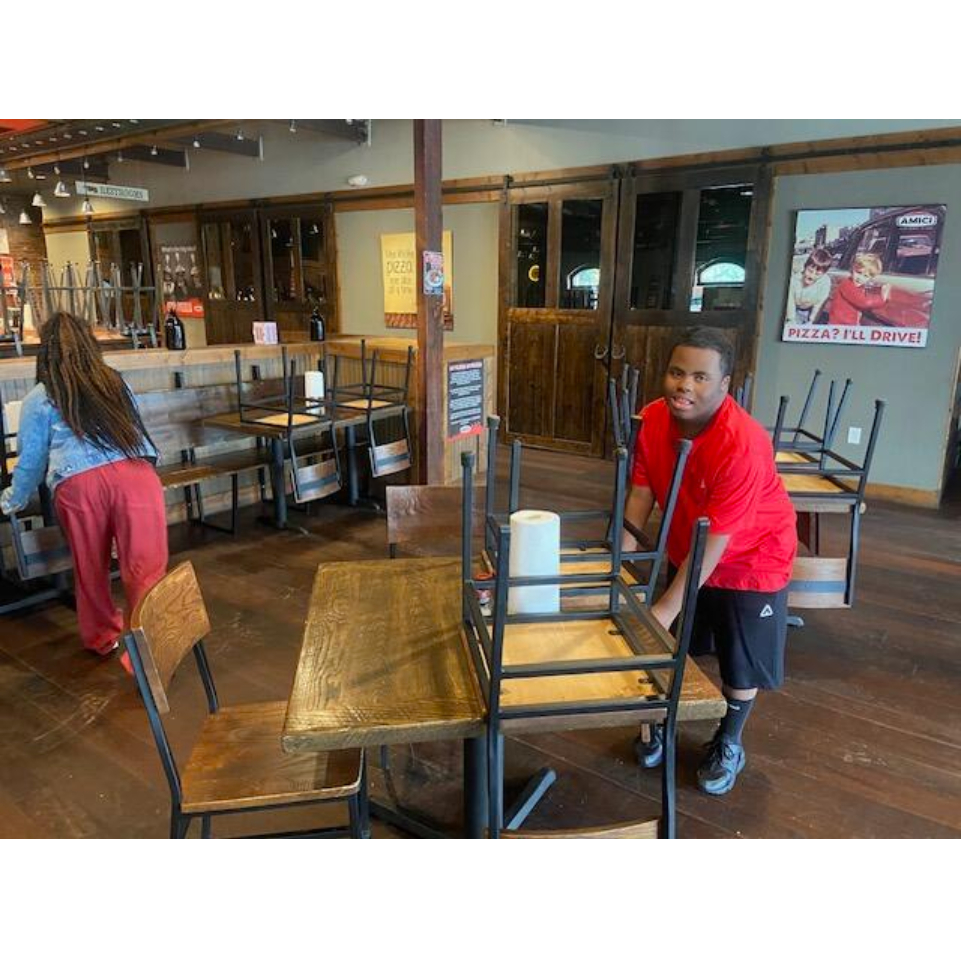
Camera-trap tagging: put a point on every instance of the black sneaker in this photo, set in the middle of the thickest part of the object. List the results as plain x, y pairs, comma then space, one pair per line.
721, 766
650, 754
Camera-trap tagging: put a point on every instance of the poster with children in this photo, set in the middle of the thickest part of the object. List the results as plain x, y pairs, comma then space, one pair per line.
863, 277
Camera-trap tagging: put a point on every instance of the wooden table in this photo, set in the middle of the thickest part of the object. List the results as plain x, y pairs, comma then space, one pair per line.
273, 428
385, 660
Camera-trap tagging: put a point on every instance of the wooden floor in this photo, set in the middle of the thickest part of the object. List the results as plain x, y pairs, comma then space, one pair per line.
864, 740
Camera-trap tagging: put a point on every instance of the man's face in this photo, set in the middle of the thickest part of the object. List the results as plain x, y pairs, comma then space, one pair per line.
694, 385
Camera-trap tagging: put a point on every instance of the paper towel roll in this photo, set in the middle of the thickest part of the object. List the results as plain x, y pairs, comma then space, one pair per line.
314, 384
535, 550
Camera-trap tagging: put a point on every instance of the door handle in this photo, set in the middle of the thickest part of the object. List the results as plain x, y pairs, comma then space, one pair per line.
621, 354
600, 352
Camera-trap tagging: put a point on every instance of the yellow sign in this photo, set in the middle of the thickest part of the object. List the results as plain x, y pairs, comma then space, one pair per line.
401, 276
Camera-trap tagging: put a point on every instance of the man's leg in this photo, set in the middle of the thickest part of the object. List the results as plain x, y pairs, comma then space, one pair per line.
750, 629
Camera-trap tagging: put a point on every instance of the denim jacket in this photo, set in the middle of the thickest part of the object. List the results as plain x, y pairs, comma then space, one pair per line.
45, 443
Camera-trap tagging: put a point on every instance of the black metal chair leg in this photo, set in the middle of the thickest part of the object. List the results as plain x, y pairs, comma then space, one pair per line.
495, 784
205, 826
363, 799
234, 503
669, 784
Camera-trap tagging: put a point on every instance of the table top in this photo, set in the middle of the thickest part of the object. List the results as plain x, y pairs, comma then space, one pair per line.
274, 425
385, 659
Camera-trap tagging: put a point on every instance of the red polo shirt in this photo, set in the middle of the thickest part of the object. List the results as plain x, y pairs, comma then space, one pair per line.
730, 479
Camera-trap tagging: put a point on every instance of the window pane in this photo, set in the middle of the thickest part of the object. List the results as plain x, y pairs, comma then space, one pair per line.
580, 253
655, 242
915, 251
282, 255
215, 261
314, 261
531, 254
242, 254
723, 223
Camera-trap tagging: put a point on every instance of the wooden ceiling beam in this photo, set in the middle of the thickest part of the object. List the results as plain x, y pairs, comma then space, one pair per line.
128, 140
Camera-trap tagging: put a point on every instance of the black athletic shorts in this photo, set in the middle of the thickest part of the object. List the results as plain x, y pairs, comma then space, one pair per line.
747, 630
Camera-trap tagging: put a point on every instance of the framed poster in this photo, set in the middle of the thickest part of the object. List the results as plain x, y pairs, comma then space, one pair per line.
863, 276
465, 398
402, 273
181, 285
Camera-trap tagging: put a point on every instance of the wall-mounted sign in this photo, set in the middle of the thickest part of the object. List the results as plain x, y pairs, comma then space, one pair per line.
864, 276
108, 191
433, 274
399, 258
181, 283
465, 399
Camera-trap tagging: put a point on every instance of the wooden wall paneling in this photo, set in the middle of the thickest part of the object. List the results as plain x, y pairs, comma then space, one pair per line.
552, 279
574, 420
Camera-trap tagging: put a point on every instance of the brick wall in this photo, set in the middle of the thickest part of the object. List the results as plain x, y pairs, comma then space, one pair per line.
25, 242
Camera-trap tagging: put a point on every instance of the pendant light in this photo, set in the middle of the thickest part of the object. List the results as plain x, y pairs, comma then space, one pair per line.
25, 219
5, 177
60, 190
37, 201
87, 208
3, 209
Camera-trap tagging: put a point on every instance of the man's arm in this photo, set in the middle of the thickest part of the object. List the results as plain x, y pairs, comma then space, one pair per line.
637, 510
668, 607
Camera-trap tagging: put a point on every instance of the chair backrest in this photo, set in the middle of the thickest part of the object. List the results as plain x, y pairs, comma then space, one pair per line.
41, 551
637, 830
429, 516
166, 624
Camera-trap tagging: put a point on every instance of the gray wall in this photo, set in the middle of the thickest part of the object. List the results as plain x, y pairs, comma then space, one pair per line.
917, 383
474, 238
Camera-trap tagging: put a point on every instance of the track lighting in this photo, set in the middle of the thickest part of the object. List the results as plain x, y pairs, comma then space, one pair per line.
30, 172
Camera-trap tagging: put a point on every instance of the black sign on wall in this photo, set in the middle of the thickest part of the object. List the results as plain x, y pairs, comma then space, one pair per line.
465, 398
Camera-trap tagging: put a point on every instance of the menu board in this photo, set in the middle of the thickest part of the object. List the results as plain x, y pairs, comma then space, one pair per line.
465, 399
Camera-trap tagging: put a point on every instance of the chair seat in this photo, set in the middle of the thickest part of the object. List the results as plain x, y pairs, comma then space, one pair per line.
238, 763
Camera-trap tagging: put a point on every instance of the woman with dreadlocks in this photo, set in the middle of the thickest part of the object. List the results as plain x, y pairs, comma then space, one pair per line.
80, 426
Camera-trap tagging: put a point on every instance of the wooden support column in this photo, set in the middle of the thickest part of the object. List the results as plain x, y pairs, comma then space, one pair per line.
430, 322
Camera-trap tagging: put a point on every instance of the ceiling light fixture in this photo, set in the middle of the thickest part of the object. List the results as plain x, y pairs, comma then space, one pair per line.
86, 163
153, 150
293, 126
5, 176
60, 190
196, 142
240, 135
3, 209
87, 208
37, 201
56, 169
120, 156
25, 219
30, 172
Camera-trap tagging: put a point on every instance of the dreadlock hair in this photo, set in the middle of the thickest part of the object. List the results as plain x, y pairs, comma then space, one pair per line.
91, 397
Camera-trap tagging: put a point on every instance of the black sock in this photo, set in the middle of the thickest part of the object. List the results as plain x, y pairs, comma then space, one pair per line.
733, 722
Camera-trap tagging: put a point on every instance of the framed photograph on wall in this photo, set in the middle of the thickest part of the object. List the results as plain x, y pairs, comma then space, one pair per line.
863, 277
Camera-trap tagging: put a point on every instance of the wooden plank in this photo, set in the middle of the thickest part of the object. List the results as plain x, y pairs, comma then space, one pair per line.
818, 582
635, 830
428, 218
383, 658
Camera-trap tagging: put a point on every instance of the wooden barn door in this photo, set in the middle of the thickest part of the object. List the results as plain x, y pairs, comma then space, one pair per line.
689, 254
556, 294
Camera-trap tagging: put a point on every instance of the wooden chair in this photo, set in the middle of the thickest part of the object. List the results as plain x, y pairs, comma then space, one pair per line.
567, 670
427, 520
237, 764
370, 396
635, 830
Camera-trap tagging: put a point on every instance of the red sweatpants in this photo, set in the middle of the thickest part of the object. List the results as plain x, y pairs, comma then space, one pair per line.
123, 502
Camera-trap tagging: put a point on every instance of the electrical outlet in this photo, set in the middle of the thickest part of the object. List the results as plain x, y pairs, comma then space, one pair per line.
854, 435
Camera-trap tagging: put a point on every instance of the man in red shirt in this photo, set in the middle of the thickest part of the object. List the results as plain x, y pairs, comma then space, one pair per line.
732, 480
